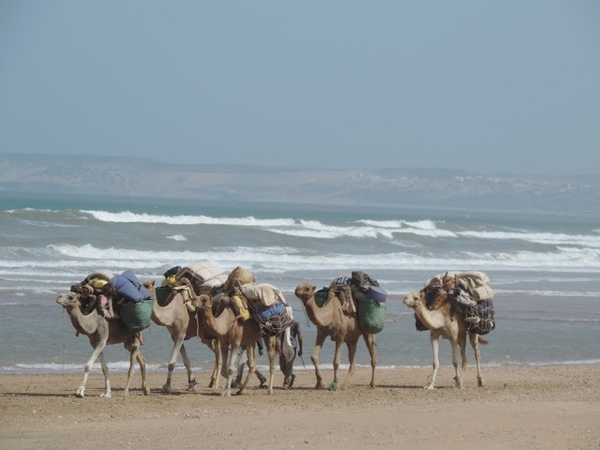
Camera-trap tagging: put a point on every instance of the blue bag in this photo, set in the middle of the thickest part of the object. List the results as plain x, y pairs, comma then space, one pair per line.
128, 286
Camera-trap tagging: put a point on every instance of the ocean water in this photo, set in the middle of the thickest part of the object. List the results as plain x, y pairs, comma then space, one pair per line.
544, 269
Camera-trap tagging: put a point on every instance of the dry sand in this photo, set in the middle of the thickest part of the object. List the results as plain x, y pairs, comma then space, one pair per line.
555, 407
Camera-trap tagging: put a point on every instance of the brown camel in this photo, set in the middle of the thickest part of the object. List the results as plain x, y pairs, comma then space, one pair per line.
332, 321
232, 334
182, 324
443, 321
102, 332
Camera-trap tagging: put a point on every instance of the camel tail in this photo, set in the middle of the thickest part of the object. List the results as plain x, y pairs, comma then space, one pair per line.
482, 341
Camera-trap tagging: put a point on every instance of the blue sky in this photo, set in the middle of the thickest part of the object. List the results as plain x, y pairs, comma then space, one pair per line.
497, 87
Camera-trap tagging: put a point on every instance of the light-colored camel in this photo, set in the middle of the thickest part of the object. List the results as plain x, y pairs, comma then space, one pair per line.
182, 324
233, 333
102, 332
442, 321
332, 321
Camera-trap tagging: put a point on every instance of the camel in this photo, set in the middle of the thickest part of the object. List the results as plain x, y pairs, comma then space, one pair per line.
442, 321
182, 325
331, 321
232, 334
102, 332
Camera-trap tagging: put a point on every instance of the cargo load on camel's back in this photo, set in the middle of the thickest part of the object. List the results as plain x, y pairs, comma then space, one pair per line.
269, 307
360, 295
136, 309
202, 278
117, 297
471, 297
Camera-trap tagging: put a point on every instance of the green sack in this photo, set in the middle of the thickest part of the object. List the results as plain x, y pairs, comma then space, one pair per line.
371, 315
136, 316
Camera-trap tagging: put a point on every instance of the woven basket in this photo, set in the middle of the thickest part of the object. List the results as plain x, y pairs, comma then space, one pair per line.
137, 316
371, 315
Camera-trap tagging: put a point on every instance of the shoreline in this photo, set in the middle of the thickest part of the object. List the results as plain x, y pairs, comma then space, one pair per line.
121, 367
555, 406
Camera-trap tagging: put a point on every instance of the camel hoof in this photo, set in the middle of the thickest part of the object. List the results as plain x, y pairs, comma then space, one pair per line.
333, 386
79, 394
226, 393
458, 382
146, 391
429, 386
106, 395
480, 383
166, 389
126, 394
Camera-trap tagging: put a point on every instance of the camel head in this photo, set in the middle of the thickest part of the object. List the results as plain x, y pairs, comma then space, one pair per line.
68, 300
202, 303
149, 285
305, 291
432, 298
411, 300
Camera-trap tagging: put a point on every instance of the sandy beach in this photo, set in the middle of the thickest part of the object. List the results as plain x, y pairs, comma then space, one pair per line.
550, 407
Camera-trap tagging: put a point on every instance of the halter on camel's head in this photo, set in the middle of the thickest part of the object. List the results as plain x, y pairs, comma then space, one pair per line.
203, 301
305, 289
68, 299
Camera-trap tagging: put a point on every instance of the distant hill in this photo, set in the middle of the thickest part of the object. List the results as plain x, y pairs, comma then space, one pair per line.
324, 186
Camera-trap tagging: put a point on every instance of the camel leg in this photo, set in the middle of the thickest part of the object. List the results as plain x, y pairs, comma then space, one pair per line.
435, 346
352, 359
271, 345
371, 344
214, 378
251, 363
177, 343
188, 366
315, 358
230, 367
457, 377
88, 366
142, 362
133, 352
219, 362
462, 343
107, 392
336, 364
474, 338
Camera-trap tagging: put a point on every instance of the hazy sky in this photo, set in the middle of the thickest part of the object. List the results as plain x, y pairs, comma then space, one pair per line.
493, 86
